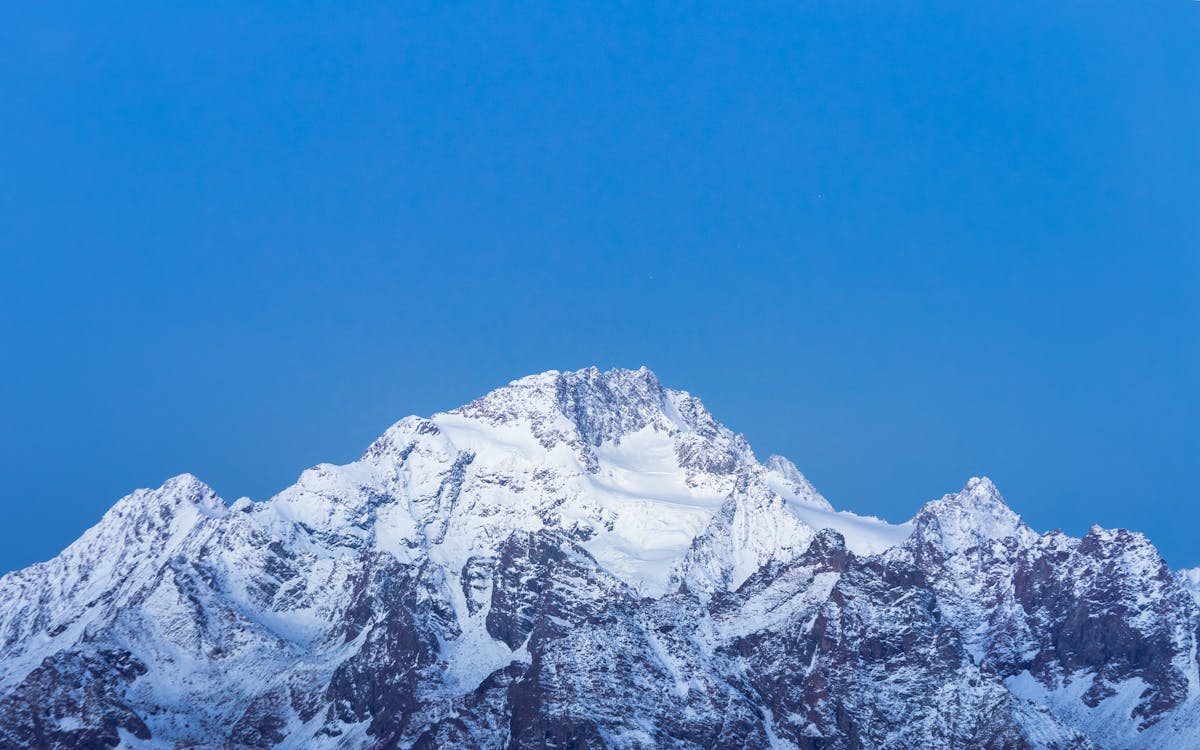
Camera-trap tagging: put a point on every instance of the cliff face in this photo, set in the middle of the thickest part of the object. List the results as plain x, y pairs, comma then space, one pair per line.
588, 560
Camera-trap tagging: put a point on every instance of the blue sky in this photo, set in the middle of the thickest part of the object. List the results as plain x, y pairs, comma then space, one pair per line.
901, 245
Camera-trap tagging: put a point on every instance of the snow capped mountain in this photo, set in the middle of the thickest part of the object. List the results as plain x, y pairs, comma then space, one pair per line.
589, 559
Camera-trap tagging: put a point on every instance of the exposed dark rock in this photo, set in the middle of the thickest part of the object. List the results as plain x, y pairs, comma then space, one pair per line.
508, 576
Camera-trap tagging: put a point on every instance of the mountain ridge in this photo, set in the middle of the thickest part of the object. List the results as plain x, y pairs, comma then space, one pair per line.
440, 590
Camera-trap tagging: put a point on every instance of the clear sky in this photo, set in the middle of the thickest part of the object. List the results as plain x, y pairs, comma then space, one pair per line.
901, 243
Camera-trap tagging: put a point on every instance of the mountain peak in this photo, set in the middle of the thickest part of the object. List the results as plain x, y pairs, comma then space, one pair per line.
591, 374
979, 494
983, 487
599, 404
586, 409
181, 490
965, 519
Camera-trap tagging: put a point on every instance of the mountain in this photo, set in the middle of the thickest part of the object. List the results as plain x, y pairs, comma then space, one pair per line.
590, 560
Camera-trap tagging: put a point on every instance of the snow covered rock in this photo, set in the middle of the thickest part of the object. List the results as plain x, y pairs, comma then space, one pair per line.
1096, 629
589, 559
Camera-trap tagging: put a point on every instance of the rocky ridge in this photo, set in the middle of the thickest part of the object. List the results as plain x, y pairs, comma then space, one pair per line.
589, 560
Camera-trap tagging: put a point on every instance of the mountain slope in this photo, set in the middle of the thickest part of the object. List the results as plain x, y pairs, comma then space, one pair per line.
588, 559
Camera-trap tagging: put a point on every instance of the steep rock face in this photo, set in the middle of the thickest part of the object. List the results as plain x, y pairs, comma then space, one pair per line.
588, 559
103, 568
633, 677
73, 700
970, 545
864, 659
1096, 628
396, 628
751, 528
545, 584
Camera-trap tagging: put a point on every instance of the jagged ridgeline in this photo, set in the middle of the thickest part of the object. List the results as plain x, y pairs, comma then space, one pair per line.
589, 560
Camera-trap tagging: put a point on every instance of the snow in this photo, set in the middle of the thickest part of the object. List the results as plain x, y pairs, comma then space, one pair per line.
865, 535
641, 476
1111, 723
1190, 579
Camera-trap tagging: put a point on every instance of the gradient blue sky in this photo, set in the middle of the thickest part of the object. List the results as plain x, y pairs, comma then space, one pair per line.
902, 243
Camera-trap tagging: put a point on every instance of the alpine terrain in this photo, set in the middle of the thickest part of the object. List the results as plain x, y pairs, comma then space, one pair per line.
590, 560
